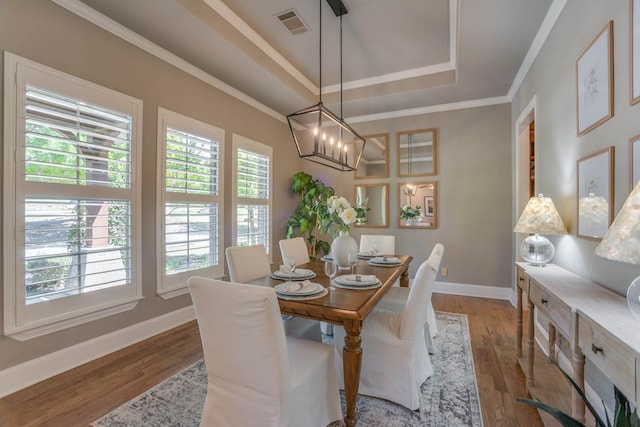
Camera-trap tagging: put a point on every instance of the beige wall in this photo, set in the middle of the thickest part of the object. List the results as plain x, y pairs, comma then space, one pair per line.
474, 195
552, 80
41, 31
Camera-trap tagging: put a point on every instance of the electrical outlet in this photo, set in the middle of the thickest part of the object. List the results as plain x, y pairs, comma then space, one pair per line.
445, 271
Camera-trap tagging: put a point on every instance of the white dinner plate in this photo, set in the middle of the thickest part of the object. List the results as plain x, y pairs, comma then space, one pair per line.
358, 288
299, 274
352, 280
298, 288
386, 260
366, 255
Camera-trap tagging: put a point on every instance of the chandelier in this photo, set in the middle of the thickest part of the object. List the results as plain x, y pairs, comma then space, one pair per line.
320, 135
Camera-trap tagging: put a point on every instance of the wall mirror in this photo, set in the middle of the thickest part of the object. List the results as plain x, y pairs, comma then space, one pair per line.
377, 198
595, 194
417, 151
374, 162
418, 207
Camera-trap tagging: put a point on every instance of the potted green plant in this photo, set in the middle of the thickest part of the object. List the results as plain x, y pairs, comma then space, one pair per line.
311, 214
409, 214
623, 416
318, 211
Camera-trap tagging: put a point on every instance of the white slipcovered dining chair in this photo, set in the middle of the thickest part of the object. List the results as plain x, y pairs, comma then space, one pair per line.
296, 248
395, 361
395, 299
386, 243
247, 263
256, 375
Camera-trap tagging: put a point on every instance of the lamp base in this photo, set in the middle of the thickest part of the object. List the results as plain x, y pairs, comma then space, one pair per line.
633, 297
537, 250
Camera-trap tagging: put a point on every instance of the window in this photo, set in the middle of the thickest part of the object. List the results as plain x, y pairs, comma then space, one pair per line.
190, 203
252, 195
71, 200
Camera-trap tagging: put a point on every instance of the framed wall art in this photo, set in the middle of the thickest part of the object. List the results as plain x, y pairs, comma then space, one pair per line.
595, 194
594, 80
634, 61
634, 161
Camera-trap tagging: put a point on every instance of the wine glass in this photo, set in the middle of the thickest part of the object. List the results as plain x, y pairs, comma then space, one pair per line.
352, 259
330, 269
290, 266
376, 247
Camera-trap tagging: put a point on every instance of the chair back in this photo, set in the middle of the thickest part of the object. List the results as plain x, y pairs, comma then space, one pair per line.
247, 263
242, 336
435, 258
386, 243
294, 248
415, 309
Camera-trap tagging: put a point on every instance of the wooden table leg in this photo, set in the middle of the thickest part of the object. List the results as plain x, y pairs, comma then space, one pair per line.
577, 404
352, 361
519, 322
530, 338
552, 342
404, 279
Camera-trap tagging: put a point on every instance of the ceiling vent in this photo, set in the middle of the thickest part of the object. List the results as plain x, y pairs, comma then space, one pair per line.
292, 21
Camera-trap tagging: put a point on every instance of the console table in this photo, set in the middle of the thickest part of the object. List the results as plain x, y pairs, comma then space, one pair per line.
596, 322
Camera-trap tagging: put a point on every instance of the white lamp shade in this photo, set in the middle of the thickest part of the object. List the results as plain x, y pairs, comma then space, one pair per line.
540, 217
622, 241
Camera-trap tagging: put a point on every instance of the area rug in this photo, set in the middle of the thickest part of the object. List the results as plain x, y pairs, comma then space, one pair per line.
449, 397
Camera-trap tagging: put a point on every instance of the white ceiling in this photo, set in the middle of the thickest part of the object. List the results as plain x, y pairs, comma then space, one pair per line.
397, 55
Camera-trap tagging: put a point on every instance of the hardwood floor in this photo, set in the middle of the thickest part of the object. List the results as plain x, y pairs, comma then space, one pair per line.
79, 396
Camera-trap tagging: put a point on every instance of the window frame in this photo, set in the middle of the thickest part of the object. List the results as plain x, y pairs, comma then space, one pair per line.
241, 142
167, 286
26, 321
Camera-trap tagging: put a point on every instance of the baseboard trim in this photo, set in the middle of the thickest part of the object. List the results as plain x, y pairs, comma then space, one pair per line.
479, 291
33, 371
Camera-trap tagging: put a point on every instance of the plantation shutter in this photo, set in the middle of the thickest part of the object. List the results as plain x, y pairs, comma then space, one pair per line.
253, 184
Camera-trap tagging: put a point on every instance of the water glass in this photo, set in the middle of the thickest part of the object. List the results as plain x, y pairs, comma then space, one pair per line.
352, 258
290, 266
330, 269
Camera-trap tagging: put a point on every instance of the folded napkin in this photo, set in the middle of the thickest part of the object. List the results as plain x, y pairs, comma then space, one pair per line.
298, 273
303, 288
389, 260
357, 279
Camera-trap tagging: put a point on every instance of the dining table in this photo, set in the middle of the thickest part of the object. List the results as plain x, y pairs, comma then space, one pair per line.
346, 307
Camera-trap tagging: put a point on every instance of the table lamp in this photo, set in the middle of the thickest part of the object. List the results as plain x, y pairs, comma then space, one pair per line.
539, 217
622, 243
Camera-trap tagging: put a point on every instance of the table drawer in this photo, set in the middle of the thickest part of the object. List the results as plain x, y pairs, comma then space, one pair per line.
609, 354
558, 312
522, 280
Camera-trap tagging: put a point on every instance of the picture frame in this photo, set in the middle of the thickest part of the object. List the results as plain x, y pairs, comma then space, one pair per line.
634, 52
411, 194
594, 82
595, 194
428, 206
634, 161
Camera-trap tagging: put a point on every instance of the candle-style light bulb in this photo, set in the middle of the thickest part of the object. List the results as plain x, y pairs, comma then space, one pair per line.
339, 151
345, 154
331, 143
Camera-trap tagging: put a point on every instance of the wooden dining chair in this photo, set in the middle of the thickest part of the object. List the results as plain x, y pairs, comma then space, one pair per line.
396, 298
248, 263
395, 361
256, 375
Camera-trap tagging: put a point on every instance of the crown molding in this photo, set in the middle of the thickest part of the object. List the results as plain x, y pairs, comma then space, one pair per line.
106, 23
548, 23
135, 39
